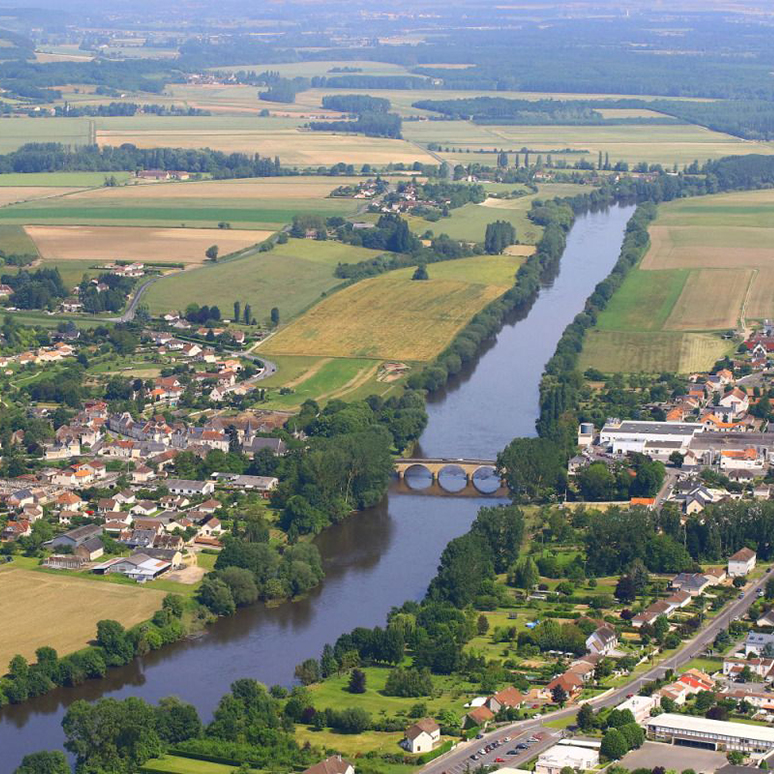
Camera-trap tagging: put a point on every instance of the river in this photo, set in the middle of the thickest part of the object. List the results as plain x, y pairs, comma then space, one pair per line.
376, 559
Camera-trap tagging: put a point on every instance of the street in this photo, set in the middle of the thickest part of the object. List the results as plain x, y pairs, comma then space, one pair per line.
456, 760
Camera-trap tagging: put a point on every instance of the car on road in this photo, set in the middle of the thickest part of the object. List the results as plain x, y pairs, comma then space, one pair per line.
741, 595
499, 760
513, 752
474, 757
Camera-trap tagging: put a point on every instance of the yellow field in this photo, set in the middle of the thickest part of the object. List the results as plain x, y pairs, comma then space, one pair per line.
651, 351
176, 245
760, 300
40, 608
294, 147
14, 194
260, 189
710, 247
385, 317
495, 270
711, 299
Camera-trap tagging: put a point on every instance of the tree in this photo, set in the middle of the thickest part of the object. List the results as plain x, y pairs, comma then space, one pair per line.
211, 253
237, 311
275, 316
420, 273
216, 595
498, 236
534, 468
676, 459
241, 584
248, 314
625, 590
53, 762
308, 671
177, 720
525, 574
661, 627
585, 718
559, 695
614, 745
357, 681
112, 735
482, 625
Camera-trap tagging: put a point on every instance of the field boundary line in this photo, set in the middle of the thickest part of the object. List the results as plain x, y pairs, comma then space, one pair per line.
743, 311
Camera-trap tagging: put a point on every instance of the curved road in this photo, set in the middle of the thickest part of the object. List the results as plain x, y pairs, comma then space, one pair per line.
456, 761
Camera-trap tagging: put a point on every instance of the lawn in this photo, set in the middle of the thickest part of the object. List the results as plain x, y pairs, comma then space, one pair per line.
175, 764
291, 277
62, 610
385, 317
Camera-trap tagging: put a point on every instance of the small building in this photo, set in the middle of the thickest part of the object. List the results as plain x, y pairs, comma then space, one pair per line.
422, 736
180, 486
139, 567
556, 758
63, 562
480, 716
741, 563
604, 640
333, 765
710, 734
75, 537
90, 549
639, 706
756, 642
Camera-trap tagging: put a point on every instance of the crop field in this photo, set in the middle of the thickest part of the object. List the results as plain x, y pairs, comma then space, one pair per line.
385, 317
651, 351
15, 132
495, 270
186, 245
291, 277
294, 147
64, 180
726, 287
12, 195
462, 141
14, 240
709, 264
34, 605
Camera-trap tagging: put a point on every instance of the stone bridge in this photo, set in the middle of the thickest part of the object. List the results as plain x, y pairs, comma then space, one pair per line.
473, 470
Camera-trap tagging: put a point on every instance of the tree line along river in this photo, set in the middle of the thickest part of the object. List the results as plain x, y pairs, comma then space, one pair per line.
375, 559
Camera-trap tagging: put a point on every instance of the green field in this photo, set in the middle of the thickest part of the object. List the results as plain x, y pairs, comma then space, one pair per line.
14, 240
175, 764
61, 179
291, 277
485, 269
644, 301
15, 132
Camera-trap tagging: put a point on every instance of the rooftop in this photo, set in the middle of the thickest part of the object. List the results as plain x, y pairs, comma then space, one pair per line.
704, 725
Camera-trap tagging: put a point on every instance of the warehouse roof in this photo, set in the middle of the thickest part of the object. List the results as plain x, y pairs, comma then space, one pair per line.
719, 727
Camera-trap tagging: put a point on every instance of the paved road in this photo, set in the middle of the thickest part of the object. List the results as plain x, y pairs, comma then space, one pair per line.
456, 760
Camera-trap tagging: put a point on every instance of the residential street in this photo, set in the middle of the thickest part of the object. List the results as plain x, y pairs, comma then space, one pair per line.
458, 759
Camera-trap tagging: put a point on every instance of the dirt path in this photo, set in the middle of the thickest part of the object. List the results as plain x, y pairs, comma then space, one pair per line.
304, 377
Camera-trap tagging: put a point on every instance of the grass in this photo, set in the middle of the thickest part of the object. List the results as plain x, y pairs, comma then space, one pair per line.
497, 270
385, 317
708, 665
72, 271
61, 609
286, 277
175, 764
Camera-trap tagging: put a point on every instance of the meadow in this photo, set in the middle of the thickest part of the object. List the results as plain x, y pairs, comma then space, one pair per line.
175, 245
35, 606
707, 267
291, 277
70, 180
385, 317
15, 132
14, 240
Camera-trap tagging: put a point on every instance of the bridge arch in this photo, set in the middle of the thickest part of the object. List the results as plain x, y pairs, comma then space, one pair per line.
418, 476
485, 479
452, 478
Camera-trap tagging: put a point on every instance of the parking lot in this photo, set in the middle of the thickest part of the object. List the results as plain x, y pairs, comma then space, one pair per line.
500, 749
672, 756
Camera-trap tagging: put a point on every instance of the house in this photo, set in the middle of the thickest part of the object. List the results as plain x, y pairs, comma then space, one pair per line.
422, 736
333, 765
480, 716
90, 549
70, 501
679, 599
142, 474
693, 583
211, 528
737, 400
106, 504
756, 643
715, 575
125, 497
766, 620
275, 445
562, 756
171, 555
181, 486
569, 682
75, 537
582, 669
696, 680
603, 640
651, 613
753, 693
762, 667
508, 698
209, 506
16, 529
144, 508
741, 563
139, 567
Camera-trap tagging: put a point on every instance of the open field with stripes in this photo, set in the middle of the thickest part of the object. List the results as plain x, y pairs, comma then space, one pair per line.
709, 268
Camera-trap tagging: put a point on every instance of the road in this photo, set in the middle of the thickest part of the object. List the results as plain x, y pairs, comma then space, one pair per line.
456, 761
132, 308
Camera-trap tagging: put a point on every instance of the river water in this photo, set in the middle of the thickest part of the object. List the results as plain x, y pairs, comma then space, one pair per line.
376, 559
